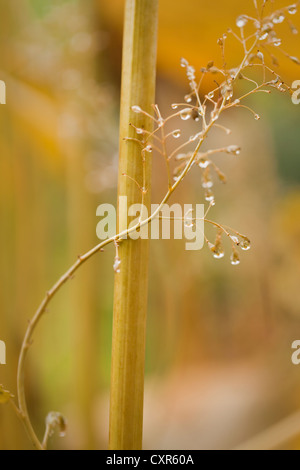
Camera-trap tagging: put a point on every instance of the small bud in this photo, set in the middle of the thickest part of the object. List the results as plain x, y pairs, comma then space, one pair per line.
136, 109
56, 420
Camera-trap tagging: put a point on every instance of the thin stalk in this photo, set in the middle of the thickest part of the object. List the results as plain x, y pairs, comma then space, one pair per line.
131, 284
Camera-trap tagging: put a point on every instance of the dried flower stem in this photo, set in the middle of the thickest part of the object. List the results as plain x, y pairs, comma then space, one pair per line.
130, 313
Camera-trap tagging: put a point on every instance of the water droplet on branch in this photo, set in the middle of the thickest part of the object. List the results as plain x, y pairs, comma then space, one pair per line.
207, 183
241, 21
245, 244
218, 251
183, 62
233, 149
209, 196
176, 134
136, 109
117, 265
278, 18
292, 9
235, 259
262, 36
227, 91
203, 163
185, 114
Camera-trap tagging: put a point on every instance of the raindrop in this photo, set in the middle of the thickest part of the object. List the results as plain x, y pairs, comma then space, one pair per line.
207, 184
189, 223
188, 99
227, 92
211, 94
139, 130
235, 239
203, 163
245, 244
292, 9
278, 18
136, 109
260, 56
277, 42
267, 27
218, 251
176, 134
195, 115
294, 30
256, 24
262, 36
184, 63
185, 114
148, 149
234, 149
241, 21
257, 117
209, 196
219, 254
160, 122
117, 265
174, 106
235, 259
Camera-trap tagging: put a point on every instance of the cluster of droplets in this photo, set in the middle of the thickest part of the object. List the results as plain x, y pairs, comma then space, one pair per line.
237, 241
265, 29
207, 181
191, 75
209, 106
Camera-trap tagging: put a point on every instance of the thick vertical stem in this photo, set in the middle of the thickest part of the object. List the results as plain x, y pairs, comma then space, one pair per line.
131, 284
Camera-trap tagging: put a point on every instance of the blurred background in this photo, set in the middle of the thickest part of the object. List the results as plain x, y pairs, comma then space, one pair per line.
218, 361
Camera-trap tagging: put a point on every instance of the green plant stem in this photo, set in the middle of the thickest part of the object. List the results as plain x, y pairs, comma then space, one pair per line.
131, 284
